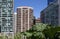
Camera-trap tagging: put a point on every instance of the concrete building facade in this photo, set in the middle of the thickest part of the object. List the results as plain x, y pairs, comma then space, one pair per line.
15, 21
6, 17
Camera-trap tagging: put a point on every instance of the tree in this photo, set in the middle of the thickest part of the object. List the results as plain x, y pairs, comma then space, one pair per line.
1, 37
17, 36
50, 32
36, 32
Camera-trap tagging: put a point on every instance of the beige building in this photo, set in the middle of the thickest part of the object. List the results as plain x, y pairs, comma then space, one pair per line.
24, 18
38, 20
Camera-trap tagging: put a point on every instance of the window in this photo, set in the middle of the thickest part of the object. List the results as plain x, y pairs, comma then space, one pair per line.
4, 15
3, 5
9, 4
9, 0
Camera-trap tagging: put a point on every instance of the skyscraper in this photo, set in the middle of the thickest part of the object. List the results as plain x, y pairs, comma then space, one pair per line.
6, 17
24, 18
50, 1
51, 14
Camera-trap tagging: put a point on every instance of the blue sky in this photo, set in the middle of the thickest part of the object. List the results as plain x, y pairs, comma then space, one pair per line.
37, 5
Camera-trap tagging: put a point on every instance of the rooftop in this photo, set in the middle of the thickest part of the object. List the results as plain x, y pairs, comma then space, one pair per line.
25, 7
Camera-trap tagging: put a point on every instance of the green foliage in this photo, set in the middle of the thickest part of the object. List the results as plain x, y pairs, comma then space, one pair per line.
39, 27
17, 36
51, 32
39, 31
3, 37
36, 32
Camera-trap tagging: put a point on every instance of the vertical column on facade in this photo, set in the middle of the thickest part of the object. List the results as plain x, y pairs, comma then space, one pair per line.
1, 19
28, 18
59, 12
21, 19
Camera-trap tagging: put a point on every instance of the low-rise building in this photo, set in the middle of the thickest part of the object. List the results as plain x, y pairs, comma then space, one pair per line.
38, 20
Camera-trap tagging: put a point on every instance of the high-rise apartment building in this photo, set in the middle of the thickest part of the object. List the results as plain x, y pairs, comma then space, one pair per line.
6, 17
51, 14
24, 18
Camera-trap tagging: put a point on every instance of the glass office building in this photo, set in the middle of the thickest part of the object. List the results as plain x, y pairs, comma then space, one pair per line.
6, 16
50, 1
51, 14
